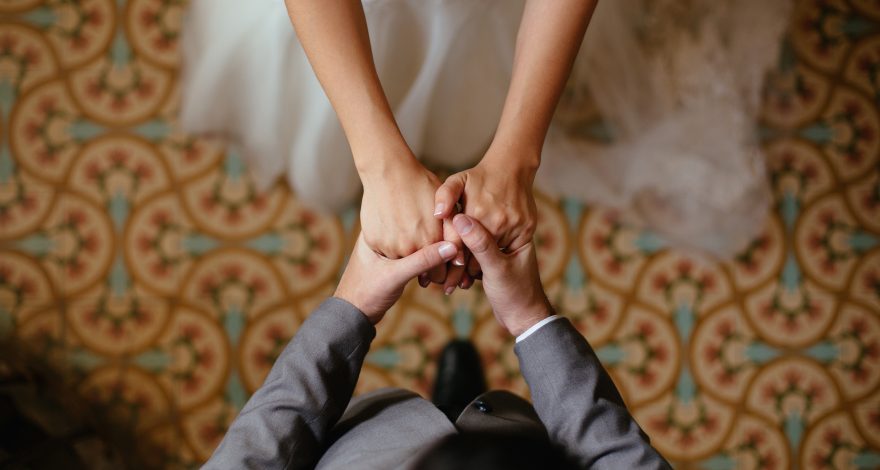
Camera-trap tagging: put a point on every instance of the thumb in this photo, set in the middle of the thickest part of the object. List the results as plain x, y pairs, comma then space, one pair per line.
478, 240
423, 260
447, 195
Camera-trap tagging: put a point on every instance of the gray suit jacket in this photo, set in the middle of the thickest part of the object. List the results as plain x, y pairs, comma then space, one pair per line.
301, 416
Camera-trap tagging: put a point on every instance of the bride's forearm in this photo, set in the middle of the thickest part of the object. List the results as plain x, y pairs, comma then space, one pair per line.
549, 37
334, 35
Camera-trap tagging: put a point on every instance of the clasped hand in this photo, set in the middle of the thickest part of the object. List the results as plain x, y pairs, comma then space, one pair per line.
406, 208
373, 283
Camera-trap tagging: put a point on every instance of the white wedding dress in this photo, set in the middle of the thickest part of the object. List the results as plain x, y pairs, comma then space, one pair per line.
678, 82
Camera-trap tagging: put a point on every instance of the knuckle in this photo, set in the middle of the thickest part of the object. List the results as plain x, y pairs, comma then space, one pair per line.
481, 243
387, 250
425, 259
516, 244
371, 240
399, 250
498, 221
453, 178
444, 193
515, 220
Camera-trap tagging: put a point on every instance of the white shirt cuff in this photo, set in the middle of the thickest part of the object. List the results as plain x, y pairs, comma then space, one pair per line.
536, 327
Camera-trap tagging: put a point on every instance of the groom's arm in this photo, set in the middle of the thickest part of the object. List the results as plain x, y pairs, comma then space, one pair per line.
285, 423
579, 404
572, 393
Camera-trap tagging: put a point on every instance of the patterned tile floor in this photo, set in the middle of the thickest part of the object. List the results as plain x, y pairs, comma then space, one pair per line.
143, 261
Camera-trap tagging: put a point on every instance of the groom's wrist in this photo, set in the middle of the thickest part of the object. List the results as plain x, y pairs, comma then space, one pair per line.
529, 317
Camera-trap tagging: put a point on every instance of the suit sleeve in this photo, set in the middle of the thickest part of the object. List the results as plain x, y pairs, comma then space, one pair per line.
285, 423
579, 404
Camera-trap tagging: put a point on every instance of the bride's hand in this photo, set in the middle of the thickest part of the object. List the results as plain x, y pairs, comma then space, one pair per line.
396, 212
498, 193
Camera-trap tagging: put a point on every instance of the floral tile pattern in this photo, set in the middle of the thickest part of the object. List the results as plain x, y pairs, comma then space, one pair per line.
146, 261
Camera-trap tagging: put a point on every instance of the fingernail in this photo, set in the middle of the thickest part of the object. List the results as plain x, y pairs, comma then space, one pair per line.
463, 224
423, 280
438, 209
449, 290
458, 261
447, 250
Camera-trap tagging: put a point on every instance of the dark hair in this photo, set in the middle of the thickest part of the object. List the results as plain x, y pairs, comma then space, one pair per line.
491, 451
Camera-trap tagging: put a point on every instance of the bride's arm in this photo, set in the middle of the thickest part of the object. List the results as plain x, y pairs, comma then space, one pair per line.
498, 190
334, 35
550, 35
398, 191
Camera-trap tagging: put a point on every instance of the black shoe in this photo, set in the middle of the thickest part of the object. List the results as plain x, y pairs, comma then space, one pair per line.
460, 378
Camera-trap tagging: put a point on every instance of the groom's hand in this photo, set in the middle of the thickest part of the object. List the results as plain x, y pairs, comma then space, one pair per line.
510, 280
373, 283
